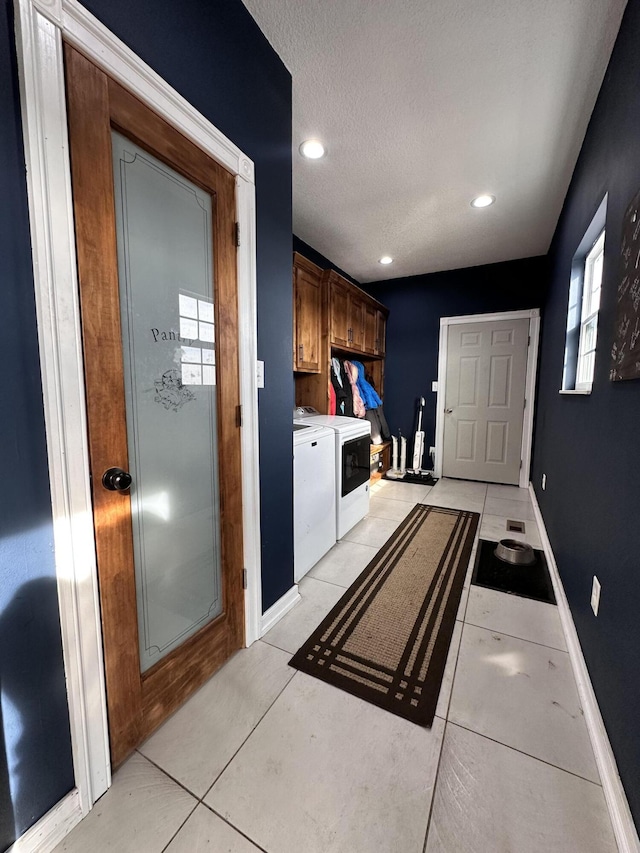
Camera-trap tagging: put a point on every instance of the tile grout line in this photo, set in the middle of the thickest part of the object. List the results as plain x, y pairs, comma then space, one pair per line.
514, 636
385, 518
435, 784
273, 646
473, 557
331, 583
248, 736
180, 785
169, 776
179, 829
200, 800
527, 754
453, 681
235, 828
206, 805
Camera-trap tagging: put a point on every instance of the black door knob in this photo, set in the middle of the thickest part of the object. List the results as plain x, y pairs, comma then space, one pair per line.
116, 480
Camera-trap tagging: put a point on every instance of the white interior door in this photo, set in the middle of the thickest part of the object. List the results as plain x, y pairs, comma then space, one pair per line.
484, 400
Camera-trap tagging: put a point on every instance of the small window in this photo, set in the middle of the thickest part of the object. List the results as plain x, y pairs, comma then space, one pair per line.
584, 303
589, 323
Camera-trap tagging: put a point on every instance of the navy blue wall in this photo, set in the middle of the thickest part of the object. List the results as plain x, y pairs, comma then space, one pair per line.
216, 57
589, 446
417, 303
35, 745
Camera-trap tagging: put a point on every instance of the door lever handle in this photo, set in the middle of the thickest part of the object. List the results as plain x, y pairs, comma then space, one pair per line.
448, 411
117, 480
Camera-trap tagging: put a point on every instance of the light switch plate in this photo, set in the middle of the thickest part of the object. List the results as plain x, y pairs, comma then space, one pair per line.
260, 374
434, 387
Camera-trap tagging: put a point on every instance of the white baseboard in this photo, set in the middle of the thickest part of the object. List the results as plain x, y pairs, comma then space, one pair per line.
621, 818
282, 606
49, 831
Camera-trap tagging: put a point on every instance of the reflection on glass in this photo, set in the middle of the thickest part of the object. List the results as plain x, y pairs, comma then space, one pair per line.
166, 294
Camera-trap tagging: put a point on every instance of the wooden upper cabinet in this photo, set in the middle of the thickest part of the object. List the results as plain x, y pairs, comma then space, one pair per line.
339, 310
307, 315
381, 331
356, 320
370, 328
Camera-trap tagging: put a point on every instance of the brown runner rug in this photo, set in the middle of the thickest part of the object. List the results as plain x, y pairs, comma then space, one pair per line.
387, 638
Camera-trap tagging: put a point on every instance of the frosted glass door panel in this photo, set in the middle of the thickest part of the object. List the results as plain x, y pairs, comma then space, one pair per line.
165, 263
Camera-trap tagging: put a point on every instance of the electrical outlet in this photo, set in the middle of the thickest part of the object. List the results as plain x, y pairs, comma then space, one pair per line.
434, 387
595, 595
544, 482
432, 452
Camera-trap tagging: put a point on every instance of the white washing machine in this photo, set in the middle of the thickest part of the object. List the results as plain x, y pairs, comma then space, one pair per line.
352, 463
314, 495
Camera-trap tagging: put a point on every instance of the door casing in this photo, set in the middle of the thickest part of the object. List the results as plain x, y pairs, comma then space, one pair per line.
139, 701
40, 27
533, 315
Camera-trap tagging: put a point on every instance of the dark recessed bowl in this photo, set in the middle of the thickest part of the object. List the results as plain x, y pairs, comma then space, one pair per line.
515, 553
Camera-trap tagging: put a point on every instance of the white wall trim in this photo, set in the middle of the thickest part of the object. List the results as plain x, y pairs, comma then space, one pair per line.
623, 826
282, 606
248, 331
52, 827
51, 219
40, 28
531, 314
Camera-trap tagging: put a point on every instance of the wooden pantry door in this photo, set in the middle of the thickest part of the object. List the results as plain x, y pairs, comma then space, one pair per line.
155, 220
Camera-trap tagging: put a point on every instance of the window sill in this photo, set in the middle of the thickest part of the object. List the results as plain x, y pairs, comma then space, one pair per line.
580, 391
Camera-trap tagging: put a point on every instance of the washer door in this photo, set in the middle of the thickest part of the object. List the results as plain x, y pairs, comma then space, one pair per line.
355, 463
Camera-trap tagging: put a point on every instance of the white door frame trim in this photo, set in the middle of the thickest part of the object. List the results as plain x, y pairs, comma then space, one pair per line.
533, 315
40, 28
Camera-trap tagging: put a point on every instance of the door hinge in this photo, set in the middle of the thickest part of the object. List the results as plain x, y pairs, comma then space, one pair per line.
238, 234
238, 416
244, 579
521, 464
525, 403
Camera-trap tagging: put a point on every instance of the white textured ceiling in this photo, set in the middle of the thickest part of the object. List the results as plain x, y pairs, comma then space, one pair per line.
424, 104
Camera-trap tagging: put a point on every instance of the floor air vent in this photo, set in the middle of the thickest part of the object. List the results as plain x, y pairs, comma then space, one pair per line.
515, 526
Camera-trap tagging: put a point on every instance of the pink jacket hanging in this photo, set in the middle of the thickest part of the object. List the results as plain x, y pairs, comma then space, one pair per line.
358, 406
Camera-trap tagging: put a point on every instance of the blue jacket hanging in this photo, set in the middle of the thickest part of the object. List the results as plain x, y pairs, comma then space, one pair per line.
367, 391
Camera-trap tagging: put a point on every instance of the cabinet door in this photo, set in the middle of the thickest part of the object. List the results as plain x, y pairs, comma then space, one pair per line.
381, 330
356, 321
370, 328
339, 303
307, 320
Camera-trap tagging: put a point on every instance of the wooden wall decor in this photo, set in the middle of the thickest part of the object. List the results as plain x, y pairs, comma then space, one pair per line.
625, 352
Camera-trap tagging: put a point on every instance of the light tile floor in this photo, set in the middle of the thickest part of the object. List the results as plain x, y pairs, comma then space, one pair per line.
264, 758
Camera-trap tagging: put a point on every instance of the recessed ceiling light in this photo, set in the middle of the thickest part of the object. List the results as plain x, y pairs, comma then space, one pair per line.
312, 149
385, 259
483, 200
